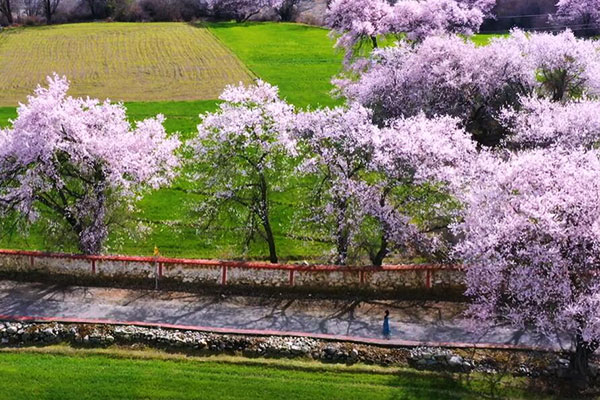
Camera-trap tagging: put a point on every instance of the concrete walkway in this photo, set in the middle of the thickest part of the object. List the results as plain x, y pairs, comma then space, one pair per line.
421, 321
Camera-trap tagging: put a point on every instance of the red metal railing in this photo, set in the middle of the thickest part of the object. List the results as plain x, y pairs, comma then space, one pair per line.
160, 262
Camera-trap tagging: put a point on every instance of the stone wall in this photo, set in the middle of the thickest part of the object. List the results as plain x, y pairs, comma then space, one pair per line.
182, 272
490, 361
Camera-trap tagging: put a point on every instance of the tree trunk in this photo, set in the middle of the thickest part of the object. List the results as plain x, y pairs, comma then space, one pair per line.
374, 41
266, 223
9, 16
342, 233
377, 259
93, 234
48, 11
580, 362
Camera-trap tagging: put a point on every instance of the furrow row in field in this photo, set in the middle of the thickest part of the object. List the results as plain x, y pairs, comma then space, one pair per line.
129, 62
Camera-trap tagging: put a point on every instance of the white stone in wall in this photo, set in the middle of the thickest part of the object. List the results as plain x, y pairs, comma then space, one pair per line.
192, 273
125, 269
330, 279
257, 277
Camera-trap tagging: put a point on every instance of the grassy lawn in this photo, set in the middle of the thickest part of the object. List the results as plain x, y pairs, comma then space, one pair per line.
300, 59
483, 39
120, 61
182, 116
89, 374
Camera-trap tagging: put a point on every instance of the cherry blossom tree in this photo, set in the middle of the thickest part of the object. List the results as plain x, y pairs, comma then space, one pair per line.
444, 75
381, 190
580, 15
531, 242
449, 75
420, 163
337, 146
421, 19
240, 160
566, 67
359, 23
540, 122
75, 163
241, 10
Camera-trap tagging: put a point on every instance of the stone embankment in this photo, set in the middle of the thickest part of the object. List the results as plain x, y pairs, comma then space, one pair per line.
193, 342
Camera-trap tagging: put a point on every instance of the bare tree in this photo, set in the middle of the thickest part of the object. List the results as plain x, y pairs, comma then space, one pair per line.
5, 9
32, 7
49, 7
287, 9
98, 8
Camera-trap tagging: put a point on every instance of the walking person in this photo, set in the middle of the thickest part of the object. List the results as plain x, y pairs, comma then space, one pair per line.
386, 325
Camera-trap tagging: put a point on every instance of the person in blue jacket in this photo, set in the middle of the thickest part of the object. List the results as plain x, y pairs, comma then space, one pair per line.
386, 325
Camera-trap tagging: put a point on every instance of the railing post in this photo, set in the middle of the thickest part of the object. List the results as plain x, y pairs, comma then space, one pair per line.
292, 277
224, 275
31, 261
93, 267
428, 279
160, 270
361, 275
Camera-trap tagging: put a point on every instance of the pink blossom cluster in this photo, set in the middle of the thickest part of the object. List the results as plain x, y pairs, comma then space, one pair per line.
580, 15
241, 10
540, 122
448, 75
531, 240
357, 22
67, 157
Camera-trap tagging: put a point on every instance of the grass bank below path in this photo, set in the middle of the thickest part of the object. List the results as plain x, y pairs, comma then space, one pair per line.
61, 372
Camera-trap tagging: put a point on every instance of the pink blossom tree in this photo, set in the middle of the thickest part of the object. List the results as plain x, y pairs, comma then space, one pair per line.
565, 67
444, 75
579, 15
421, 19
241, 10
359, 23
381, 190
448, 75
337, 146
540, 122
532, 244
240, 160
76, 163
421, 163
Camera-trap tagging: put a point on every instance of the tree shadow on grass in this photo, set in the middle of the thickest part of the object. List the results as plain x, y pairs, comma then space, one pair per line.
430, 385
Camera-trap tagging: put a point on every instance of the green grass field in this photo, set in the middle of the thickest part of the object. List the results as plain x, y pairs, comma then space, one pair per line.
300, 59
90, 374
